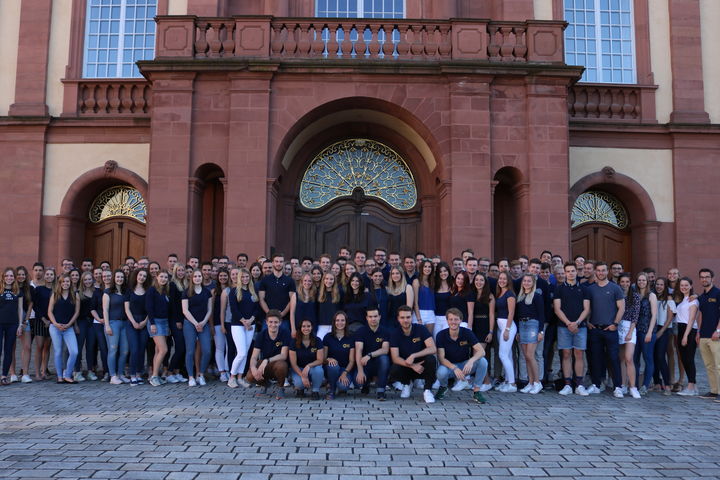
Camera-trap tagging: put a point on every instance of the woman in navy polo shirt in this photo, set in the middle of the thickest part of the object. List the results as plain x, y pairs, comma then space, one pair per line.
136, 330
115, 321
63, 310
303, 305
306, 359
379, 296
461, 294
157, 304
339, 355
197, 308
10, 320
84, 327
244, 310
97, 337
329, 302
530, 314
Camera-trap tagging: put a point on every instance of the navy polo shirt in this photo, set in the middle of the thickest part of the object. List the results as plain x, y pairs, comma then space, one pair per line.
370, 340
198, 303
603, 301
339, 348
710, 309
157, 305
277, 291
412, 343
458, 350
571, 299
9, 307
306, 355
270, 347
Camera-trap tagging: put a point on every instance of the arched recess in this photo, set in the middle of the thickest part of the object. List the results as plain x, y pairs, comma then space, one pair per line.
356, 117
207, 212
508, 192
643, 224
73, 222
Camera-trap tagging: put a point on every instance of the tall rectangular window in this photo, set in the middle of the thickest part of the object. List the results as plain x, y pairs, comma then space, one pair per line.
118, 33
360, 8
600, 36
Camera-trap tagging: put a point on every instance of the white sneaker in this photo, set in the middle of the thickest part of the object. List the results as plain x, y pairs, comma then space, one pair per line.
191, 382
91, 376
78, 377
536, 388
115, 381
580, 390
634, 392
428, 396
686, 392
593, 390
398, 386
618, 393
124, 379
172, 379
510, 388
624, 390
566, 390
527, 388
485, 387
224, 377
460, 385
243, 383
406, 391
232, 383
501, 387
26, 379
201, 380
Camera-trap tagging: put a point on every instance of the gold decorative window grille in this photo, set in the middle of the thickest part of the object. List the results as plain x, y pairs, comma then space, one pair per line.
598, 207
358, 163
120, 201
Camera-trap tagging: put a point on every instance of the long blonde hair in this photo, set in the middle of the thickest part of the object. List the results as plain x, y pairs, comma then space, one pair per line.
396, 288
528, 298
311, 293
57, 289
180, 284
15, 288
250, 286
334, 290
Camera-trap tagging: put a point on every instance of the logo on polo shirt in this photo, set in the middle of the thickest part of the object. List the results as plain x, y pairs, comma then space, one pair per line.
416, 339
378, 339
712, 300
313, 349
463, 343
278, 343
346, 345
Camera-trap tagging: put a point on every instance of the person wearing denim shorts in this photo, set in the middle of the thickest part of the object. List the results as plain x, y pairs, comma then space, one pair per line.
572, 307
530, 314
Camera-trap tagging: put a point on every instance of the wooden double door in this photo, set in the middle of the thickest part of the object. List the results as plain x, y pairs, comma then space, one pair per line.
359, 223
599, 241
115, 239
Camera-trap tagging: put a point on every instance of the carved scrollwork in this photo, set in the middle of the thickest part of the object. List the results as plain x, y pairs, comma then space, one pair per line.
598, 207
119, 201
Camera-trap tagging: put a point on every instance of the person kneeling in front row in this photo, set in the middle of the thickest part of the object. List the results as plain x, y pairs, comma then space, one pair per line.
412, 350
269, 356
460, 354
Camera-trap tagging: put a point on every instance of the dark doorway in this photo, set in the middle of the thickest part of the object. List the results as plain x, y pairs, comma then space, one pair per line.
598, 241
115, 239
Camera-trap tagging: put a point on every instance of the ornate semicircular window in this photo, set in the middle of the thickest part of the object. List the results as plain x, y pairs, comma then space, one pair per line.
358, 163
598, 207
120, 201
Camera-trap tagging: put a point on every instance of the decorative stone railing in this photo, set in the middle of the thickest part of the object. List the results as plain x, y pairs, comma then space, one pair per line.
612, 102
358, 39
108, 97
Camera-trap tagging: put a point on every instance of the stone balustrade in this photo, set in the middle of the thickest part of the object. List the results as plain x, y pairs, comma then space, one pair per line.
108, 97
612, 102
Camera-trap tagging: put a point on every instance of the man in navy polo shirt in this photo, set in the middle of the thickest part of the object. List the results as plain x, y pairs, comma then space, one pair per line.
269, 355
277, 289
708, 330
460, 354
412, 350
607, 303
372, 345
572, 307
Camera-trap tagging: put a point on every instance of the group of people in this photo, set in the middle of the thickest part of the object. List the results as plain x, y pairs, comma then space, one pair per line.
359, 321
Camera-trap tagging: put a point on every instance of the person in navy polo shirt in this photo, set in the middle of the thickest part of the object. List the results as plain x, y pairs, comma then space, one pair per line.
412, 350
306, 359
709, 330
460, 354
339, 355
607, 302
10, 321
269, 356
372, 347
276, 290
572, 307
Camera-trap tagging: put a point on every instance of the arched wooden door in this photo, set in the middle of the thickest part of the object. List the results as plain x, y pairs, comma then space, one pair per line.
115, 239
601, 228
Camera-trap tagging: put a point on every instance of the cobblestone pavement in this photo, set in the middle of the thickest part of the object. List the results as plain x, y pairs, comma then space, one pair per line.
97, 430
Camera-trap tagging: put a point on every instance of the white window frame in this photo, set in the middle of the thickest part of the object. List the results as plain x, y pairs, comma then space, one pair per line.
121, 35
603, 72
361, 10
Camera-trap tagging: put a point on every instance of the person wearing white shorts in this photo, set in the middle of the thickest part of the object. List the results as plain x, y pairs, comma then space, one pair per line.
627, 337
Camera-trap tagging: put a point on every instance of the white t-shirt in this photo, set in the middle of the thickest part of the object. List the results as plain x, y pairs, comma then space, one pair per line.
683, 311
663, 311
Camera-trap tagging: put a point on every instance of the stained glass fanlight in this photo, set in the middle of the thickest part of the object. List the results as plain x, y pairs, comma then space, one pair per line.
358, 163
120, 201
598, 207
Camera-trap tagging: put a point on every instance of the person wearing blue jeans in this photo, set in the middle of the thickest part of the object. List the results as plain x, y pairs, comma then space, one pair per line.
339, 355
197, 306
113, 304
372, 348
306, 358
136, 330
460, 354
645, 329
63, 311
665, 313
